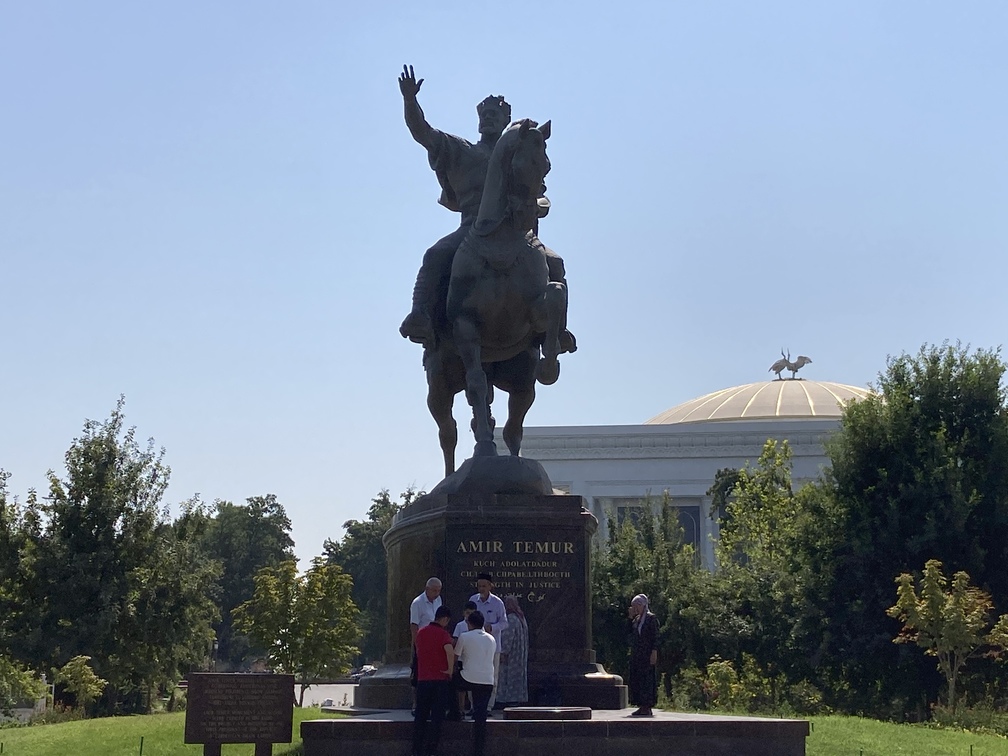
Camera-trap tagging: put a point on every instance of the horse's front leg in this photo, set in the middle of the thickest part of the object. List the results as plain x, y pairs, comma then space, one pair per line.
490, 400
467, 343
553, 307
519, 403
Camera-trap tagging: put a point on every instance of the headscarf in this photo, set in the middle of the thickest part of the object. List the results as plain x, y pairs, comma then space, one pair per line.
511, 606
641, 602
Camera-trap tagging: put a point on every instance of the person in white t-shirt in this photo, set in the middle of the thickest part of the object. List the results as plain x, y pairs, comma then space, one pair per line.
458, 704
494, 619
476, 649
462, 627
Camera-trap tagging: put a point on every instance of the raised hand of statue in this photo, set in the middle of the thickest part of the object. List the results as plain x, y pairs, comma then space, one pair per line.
408, 84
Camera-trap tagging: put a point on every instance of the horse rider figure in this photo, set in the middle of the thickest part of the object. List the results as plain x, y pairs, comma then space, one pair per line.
461, 169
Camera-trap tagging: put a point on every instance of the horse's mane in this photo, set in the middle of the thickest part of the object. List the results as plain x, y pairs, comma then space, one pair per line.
498, 202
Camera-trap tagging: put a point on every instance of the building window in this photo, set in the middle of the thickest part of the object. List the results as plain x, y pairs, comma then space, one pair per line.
632, 512
620, 509
689, 520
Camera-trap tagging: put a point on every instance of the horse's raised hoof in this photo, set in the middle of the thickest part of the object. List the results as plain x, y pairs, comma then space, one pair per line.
548, 371
485, 449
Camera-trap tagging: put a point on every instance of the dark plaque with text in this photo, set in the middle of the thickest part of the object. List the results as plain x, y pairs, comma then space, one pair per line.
239, 708
541, 558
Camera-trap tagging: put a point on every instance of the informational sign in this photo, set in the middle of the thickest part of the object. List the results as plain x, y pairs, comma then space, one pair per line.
239, 708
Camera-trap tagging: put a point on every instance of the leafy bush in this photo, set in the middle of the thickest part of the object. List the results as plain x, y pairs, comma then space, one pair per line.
805, 698
17, 684
684, 691
747, 690
56, 714
979, 719
721, 686
77, 677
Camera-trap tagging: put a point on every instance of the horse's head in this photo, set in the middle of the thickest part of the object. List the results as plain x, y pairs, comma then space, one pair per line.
529, 164
514, 180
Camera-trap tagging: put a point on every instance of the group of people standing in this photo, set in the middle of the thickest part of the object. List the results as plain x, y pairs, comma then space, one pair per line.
487, 660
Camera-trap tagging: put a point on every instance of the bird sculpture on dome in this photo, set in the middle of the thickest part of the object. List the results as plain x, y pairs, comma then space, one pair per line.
784, 363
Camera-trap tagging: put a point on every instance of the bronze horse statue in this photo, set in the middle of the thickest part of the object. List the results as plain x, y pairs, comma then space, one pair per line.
503, 317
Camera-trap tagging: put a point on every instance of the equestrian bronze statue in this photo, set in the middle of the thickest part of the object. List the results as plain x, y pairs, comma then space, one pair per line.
490, 301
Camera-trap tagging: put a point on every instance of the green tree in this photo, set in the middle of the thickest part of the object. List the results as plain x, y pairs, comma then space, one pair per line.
766, 570
19, 527
166, 622
12, 544
648, 556
307, 623
77, 677
108, 574
919, 471
244, 539
950, 622
361, 555
761, 515
721, 490
756, 613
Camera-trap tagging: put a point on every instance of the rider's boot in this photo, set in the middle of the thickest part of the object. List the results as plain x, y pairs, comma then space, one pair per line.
417, 326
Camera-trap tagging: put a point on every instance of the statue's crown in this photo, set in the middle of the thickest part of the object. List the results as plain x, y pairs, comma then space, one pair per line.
496, 102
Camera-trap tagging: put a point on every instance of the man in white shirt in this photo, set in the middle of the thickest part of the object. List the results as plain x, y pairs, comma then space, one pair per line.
477, 650
494, 619
421, 611
421, 614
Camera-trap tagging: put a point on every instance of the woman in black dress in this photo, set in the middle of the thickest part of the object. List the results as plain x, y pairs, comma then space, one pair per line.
643, 657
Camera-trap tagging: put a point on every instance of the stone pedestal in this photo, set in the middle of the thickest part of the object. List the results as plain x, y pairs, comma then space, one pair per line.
538, 547
607, 733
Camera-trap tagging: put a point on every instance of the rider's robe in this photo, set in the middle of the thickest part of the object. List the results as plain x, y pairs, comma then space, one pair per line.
461, 169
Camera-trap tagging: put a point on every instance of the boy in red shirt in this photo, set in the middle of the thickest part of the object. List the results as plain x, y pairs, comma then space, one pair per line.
435, 663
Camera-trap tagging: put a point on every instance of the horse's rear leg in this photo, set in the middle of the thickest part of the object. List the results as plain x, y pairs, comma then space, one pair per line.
467, 343
439, 402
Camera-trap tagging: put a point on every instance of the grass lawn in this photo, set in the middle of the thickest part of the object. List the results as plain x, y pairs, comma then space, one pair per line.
162, 734
853, 736
120, 736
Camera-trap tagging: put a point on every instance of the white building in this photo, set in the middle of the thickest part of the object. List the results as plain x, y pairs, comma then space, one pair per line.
614, 467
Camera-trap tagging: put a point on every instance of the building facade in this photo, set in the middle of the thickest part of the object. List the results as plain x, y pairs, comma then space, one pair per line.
620, 469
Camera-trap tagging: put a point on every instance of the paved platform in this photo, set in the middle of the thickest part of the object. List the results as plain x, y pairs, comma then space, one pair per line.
607, 733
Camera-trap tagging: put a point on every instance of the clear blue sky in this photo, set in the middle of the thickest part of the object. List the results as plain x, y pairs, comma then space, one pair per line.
216, 210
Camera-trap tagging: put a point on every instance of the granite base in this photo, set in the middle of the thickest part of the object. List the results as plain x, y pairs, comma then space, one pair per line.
538, 547
608, 733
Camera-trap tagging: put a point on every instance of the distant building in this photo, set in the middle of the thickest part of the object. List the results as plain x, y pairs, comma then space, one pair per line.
614, 467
